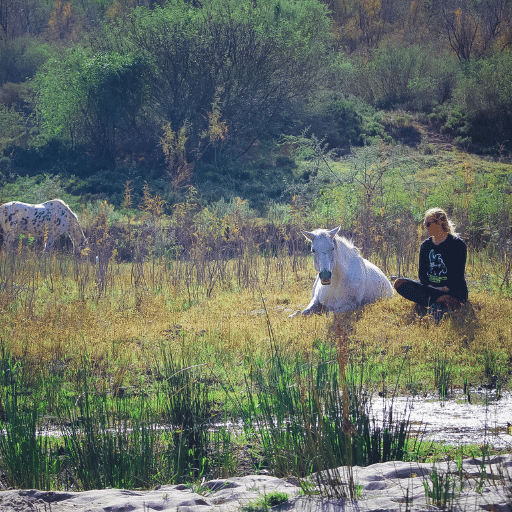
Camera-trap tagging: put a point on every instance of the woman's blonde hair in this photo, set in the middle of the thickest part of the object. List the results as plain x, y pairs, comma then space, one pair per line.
439, 215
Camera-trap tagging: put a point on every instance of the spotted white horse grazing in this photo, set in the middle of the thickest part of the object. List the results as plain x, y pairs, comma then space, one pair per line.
49, 221
345, 280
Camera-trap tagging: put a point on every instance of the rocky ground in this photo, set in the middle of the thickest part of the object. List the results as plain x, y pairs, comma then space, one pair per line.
391, 486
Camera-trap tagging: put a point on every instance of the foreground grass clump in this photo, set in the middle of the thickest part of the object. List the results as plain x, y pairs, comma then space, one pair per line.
142, 366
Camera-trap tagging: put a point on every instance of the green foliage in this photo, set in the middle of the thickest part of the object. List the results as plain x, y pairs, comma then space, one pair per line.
252, 60
319, 422
440, 490
21, 57
340, 123
442, 367
408, 77
12, 127
88, 100
484, 91
188, 410
101, 452
272, 499
37, 189
30, 459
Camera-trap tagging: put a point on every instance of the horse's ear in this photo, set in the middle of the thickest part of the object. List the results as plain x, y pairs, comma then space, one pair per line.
334, 232
308, 235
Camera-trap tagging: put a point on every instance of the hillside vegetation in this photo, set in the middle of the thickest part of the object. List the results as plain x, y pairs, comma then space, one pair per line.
206, 94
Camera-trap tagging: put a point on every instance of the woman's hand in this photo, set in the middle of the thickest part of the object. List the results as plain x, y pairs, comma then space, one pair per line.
441, 289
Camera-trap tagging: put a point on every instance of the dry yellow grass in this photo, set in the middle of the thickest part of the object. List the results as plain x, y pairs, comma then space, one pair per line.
234, 322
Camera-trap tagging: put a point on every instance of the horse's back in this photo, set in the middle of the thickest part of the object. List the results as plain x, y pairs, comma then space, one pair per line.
11, 211
378, 285
21, 217
50, 220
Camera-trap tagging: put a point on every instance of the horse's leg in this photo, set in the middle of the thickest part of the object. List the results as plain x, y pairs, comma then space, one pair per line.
8, 240
314, 306
73, 244
48, 246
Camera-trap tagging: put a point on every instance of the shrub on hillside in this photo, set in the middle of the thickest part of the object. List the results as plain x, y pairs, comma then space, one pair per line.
20, 58
484, 91
407, 77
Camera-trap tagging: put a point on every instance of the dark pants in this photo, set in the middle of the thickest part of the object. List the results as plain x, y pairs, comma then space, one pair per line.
421, 294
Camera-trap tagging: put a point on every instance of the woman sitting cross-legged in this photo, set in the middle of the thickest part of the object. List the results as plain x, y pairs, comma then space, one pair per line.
441, 269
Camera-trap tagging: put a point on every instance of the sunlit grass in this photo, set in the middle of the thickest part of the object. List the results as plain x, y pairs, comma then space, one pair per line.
230, 324
124, 335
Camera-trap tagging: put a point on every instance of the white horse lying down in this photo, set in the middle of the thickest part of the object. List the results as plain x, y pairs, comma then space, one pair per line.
51, 220
345, 279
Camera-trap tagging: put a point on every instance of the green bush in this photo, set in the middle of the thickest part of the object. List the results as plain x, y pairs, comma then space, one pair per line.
37, 189
340, 123
408, 77
259, 60
91, 99
484, 92
21, 57
12, 127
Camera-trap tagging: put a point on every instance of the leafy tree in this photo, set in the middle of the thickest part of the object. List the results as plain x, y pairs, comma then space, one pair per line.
258, 61
90, 100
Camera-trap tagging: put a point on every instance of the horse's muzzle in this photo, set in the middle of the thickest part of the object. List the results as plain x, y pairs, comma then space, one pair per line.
325, 276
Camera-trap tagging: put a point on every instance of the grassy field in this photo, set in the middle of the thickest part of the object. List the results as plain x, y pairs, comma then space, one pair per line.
49, 314
167, 354
145, 344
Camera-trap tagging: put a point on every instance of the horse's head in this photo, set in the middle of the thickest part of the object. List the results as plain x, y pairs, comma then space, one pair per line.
323, 248
82, 248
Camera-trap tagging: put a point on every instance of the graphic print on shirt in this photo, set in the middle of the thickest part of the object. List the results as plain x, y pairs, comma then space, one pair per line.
437, 270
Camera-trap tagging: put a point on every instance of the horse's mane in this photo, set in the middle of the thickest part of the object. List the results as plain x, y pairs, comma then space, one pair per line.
347, 243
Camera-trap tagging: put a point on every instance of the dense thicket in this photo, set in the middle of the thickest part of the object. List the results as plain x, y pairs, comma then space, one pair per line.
199, 92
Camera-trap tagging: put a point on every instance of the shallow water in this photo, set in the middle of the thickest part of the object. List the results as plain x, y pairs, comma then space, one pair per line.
455, 421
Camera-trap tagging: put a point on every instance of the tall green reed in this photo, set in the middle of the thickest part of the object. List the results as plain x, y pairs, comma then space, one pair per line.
28, 458
103, 449
110, 443
442, 374
440, 489
187, 409
308, 420
103, 440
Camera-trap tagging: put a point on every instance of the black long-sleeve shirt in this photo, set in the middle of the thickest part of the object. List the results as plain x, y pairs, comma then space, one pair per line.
444, 265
